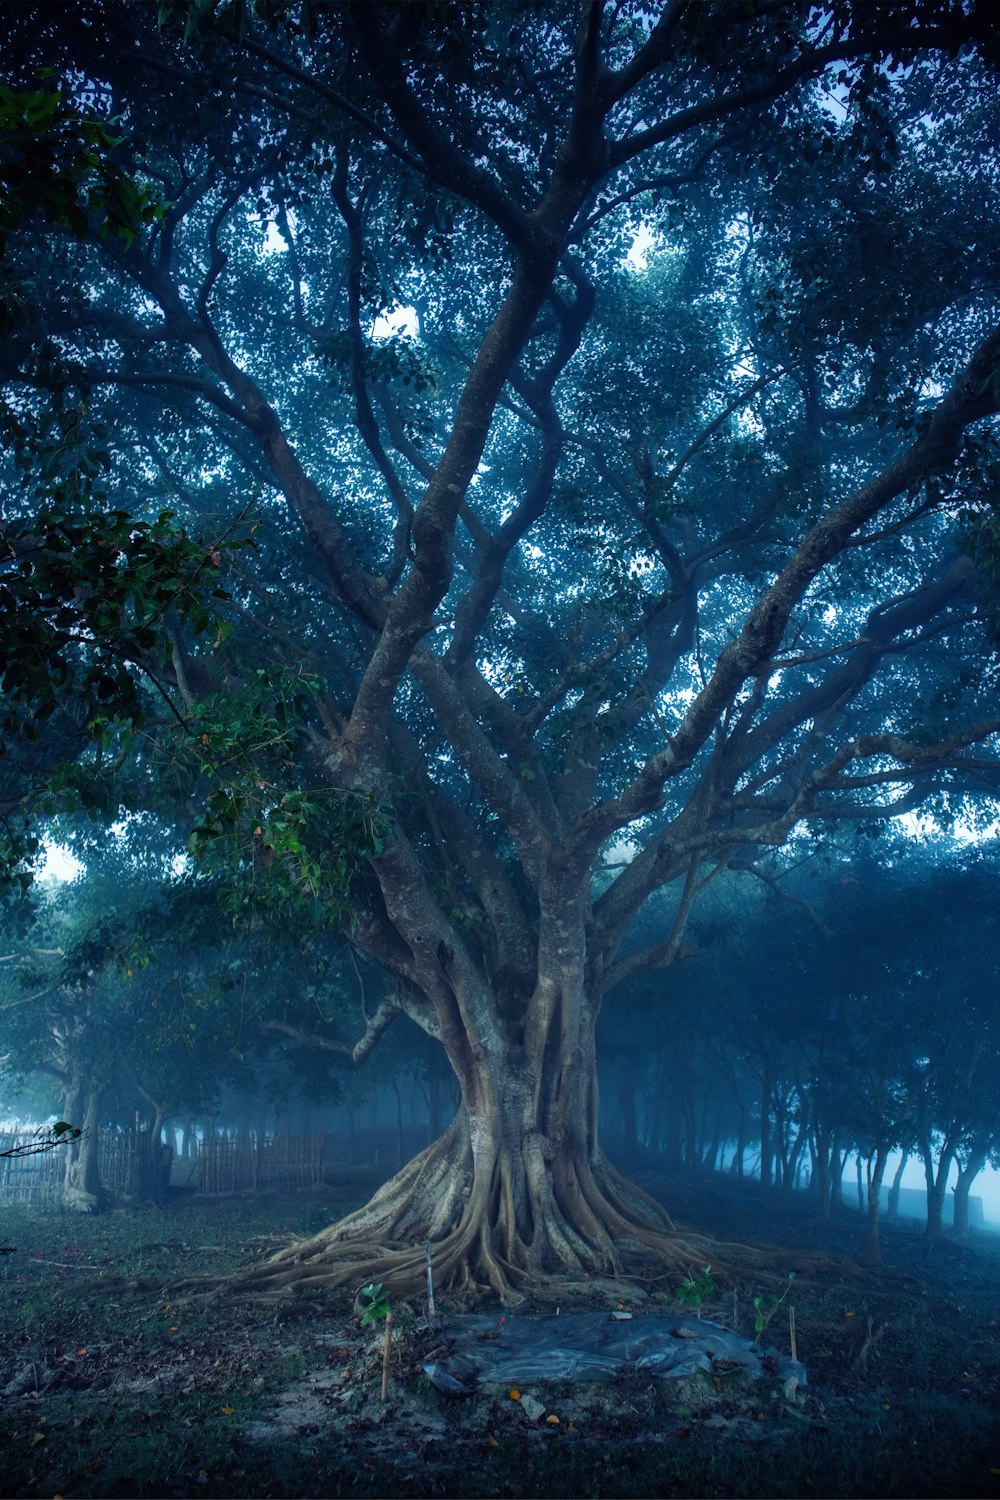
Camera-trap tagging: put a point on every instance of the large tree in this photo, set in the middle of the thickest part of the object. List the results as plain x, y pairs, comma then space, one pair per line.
609, 390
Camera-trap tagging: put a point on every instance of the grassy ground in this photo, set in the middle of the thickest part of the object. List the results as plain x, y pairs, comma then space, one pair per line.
112, 1388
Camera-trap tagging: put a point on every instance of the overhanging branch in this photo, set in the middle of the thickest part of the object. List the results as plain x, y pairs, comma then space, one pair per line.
388, 1011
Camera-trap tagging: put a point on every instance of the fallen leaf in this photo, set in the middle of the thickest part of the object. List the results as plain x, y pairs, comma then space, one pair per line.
226, 1411
515, 1395
552, 1421
36, 1438
492, 1440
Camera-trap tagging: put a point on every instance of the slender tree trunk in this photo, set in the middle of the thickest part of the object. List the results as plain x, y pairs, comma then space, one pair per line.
781, 1145
966, 1177
875, 1171
793, 1162
936, 1179
765, 1129
739, 1164
892, 1211
838, 1161
821, 1162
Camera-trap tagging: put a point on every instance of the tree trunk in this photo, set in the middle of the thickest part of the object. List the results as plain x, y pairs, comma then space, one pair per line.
892, 1211
517, 1190
966, 1177
765, 1130
738, 1163
82, 1187
876, 1171
793, 1162
838, 1164
937, 1181
821, 1160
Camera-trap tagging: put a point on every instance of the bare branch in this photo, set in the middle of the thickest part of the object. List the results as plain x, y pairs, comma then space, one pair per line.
388, 1011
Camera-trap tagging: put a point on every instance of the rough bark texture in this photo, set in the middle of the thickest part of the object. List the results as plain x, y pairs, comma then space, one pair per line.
517, 1191
82, 1187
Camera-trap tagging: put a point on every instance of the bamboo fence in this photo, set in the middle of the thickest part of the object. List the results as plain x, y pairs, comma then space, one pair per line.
133, 1171
251, 1163
34, 1178
125, 1163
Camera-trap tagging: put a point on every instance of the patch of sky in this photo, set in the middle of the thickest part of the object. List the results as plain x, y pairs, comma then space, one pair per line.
643, 243
963, 833
274, 241
395, 322
59, 865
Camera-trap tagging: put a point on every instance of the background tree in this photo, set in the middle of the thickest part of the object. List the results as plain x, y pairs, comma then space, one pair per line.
672, 562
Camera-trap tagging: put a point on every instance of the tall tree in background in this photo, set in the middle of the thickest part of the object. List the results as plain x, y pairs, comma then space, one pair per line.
556, 553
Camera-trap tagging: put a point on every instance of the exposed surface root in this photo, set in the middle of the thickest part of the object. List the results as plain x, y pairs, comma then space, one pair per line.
514, 1225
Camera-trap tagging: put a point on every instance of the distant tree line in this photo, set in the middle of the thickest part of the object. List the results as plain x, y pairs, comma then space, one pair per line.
845, 1015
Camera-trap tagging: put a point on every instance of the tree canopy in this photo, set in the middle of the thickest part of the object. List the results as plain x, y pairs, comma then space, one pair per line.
529, 459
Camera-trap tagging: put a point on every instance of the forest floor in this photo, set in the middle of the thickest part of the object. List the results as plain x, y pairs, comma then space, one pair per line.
109, 1386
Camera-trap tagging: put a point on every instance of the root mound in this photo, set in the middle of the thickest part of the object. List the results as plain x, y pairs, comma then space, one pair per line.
500, 1223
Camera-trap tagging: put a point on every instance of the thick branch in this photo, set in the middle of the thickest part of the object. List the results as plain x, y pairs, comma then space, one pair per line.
389, 1010
441, 159
970, 399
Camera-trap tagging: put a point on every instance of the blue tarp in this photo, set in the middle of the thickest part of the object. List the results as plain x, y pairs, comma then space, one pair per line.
592, 1346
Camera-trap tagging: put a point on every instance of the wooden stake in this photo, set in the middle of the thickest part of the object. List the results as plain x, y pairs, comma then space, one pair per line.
385, 1356
791, 1332
430, 1287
